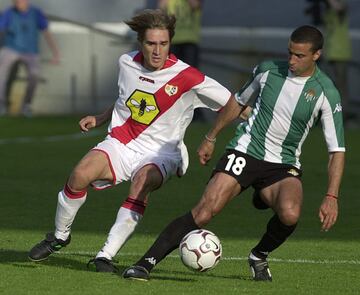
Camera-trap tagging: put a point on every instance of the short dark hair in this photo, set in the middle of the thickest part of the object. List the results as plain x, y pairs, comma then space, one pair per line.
152, 19
308, 34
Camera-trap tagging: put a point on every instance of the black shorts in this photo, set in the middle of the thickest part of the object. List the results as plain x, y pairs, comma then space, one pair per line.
249, 171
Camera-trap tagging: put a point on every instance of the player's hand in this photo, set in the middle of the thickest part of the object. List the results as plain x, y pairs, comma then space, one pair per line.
205, 151
55, 60
87, 123
328, 213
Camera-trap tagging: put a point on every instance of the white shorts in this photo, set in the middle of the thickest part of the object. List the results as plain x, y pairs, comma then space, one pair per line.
125, 162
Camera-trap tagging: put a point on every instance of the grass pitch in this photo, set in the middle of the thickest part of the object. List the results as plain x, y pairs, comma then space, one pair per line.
37, 155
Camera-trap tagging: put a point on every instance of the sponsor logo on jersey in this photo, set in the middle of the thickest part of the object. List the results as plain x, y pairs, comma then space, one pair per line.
293, 172
171, 89
338, 108
143, 107
310, 95
141, 78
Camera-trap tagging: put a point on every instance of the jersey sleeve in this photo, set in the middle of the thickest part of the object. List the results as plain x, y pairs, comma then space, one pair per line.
121, 61
332, 122
119, 64
211, 94
4, 20
248, 93
42, 20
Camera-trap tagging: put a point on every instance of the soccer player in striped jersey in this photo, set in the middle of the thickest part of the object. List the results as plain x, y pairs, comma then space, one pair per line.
289, 98
157, 97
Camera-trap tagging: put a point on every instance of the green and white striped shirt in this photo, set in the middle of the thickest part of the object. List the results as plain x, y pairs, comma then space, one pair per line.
285, 109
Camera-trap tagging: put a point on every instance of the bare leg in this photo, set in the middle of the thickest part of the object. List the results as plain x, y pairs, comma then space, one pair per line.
146, 180
219, 191
7, 59
285, 198
92, 167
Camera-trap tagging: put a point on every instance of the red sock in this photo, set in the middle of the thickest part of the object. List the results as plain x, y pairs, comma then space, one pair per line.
73, 195
134, 205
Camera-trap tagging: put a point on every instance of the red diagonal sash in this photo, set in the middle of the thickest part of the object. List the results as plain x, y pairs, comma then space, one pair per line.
185, 80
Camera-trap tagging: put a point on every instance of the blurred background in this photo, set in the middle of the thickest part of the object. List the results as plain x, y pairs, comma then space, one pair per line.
235, 35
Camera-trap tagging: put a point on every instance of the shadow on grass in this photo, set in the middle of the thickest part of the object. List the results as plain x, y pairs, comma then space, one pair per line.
159, 275
20, 259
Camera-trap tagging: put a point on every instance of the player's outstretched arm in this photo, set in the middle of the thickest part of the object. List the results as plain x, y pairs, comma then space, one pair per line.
54, 48
88, 122
328, 211
228, 114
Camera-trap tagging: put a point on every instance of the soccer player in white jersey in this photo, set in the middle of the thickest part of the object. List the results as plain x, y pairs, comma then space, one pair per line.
289, 98
157, 97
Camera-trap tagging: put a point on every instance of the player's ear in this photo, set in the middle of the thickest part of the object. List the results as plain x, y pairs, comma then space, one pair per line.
317, 55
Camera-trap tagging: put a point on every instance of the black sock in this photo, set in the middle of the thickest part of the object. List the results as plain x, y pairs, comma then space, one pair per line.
275, 235
168, 240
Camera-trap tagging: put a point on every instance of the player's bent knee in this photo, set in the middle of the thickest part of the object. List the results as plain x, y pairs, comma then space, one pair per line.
289, 217
202, 218
78, 180
203, 214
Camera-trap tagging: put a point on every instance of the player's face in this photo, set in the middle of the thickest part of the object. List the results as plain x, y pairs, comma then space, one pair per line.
302, 59
155, 48
21, 5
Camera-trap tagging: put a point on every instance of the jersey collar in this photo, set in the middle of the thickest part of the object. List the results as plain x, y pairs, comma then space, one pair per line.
170, 61
304, 79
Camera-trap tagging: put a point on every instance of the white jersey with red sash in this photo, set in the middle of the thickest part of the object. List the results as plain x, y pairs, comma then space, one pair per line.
154, 108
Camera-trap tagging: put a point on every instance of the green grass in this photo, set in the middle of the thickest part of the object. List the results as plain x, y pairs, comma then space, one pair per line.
34, 170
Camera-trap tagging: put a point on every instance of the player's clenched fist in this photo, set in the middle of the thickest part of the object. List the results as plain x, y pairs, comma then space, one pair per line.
205, 152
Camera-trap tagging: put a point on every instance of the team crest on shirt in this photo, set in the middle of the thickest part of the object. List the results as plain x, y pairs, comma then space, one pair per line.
310, 95
171, 89
143, 107
293, 172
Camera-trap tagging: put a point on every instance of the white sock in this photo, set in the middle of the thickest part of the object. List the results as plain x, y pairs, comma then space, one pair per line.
124, 226
65, 213
253, 257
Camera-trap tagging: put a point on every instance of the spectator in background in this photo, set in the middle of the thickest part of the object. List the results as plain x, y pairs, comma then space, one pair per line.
20, 25
185, 44
188, 23
332, 15
1, 39
338, 47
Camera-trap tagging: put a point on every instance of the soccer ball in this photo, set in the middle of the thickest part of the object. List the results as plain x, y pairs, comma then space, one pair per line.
200, 250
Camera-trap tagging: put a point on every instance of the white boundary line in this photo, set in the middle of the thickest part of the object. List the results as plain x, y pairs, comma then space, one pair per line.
295, 261
53, 138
